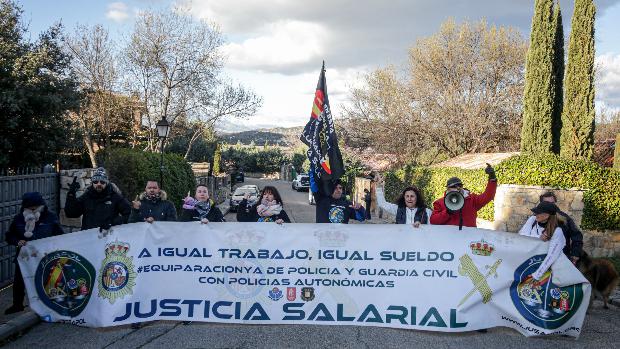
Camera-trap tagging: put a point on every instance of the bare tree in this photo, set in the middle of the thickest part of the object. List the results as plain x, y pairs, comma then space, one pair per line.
228, 100
172, 63
381, 116
103, 111
462, 93
467, 83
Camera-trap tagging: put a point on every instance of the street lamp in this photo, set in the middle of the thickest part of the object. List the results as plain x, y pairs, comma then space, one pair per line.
163, 128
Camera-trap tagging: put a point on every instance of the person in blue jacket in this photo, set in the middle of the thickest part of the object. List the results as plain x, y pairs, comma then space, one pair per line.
34, 221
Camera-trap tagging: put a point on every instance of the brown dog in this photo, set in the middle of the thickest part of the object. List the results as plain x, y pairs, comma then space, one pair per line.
602, 276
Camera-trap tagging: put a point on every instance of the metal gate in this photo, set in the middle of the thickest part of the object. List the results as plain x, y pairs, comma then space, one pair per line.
11, 190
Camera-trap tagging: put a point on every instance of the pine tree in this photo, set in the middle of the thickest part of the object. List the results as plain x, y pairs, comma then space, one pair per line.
538, 98
558, 77
217, 158
577, 139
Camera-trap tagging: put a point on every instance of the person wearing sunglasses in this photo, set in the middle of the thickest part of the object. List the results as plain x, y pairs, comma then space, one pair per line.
473, 202
101, 206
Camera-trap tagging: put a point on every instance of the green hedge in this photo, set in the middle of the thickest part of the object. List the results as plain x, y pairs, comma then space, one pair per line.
130, 169
601, 199
432, 182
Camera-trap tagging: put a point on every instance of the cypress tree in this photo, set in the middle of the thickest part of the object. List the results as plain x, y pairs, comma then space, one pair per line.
558, 77
217, 159
577, 139
538, 98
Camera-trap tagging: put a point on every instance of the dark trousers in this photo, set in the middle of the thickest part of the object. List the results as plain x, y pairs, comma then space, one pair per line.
19, 289
368, 210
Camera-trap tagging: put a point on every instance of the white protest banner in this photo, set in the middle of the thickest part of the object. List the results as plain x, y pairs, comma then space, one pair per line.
433, 278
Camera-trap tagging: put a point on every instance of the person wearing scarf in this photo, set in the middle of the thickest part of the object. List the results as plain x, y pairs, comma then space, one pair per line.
200, 208
33, 222
267, 209
152, 206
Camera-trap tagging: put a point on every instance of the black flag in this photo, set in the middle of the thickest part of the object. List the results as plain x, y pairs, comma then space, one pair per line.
326, 165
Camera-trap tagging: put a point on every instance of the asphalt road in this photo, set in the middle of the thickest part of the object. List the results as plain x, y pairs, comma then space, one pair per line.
295, 203
601, 328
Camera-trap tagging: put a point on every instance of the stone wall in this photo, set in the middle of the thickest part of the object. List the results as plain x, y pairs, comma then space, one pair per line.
512, 208
602, 243
358, 193
513, 204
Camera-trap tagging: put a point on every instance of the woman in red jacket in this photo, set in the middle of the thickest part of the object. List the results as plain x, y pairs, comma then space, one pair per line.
473, 202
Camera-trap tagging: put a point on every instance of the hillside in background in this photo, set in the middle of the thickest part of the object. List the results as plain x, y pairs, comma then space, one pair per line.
282, 136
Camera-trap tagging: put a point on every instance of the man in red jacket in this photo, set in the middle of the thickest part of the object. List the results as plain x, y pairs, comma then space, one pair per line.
473, 202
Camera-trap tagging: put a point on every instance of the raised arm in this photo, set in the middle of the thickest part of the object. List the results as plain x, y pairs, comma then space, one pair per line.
386, 206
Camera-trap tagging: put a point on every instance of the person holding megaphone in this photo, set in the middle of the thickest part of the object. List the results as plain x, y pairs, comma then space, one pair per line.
460, 207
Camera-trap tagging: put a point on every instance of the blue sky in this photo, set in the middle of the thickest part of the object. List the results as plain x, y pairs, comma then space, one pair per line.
276, 47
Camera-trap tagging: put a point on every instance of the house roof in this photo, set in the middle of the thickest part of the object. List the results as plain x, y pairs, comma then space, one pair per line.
476, 160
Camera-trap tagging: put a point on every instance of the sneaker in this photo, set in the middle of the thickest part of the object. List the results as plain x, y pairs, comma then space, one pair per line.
14, 309
186, 323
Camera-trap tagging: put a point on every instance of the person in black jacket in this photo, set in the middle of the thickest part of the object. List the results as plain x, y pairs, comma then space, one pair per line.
336, 208
368, 202
574, 237
268, 208
101, 206
152, 206
34, 221
200, 208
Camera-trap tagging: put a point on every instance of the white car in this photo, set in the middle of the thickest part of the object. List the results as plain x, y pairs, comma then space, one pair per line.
237, 196
302, 182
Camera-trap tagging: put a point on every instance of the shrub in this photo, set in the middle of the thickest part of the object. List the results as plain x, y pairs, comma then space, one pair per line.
130, 169
601, 198
432, 182
254, 160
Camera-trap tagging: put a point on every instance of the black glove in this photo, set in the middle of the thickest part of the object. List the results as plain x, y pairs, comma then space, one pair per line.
105, 226
74, 186
491, 172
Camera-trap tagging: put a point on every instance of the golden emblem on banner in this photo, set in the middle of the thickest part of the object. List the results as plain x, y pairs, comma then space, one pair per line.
469, 269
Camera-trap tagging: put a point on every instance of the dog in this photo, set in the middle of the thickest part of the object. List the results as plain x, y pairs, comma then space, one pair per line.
601, 274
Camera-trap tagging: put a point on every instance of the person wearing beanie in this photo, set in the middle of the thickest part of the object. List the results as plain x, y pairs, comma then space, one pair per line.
336, 208
101, 206
34, 221
546, 225
473, 202
152, 206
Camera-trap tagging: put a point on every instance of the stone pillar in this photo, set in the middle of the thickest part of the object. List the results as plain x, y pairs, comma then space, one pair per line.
513, 204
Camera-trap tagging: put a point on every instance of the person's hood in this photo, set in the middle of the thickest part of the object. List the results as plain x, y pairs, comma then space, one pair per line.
162, 196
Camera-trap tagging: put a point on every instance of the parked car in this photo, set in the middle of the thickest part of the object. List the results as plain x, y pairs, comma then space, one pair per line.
237, 195
302, 182
240, 176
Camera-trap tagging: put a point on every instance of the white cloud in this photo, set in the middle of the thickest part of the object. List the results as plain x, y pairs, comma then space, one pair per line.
117, 11
608, 80
278, 46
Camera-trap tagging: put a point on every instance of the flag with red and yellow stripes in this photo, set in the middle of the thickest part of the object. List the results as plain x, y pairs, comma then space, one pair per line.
319, 134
